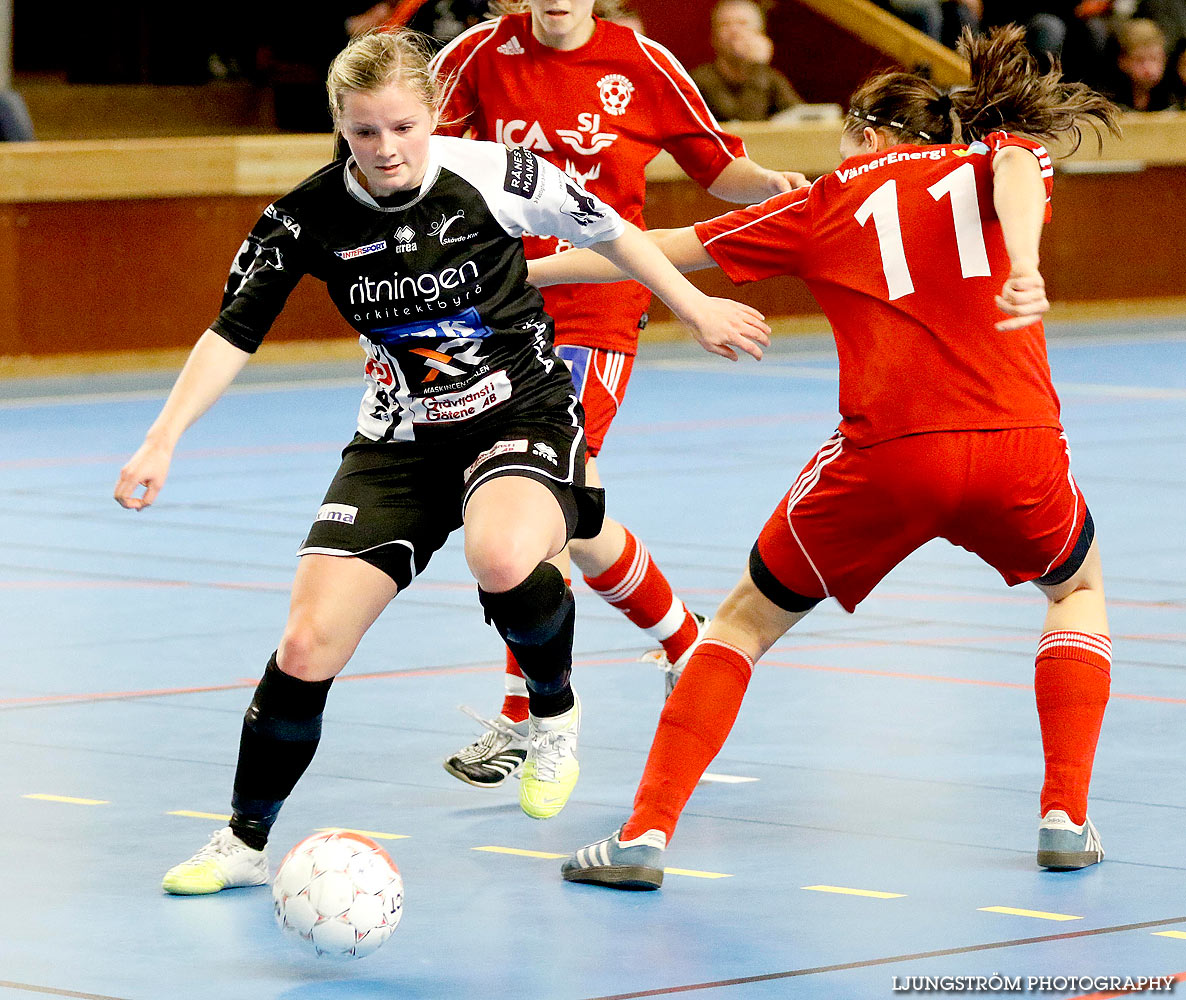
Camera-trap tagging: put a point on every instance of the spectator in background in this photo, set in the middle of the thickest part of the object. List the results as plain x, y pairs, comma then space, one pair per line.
1170, 16
630, 19
740, 84
1075, 32
1176, 74
443, 20
1138, 69
942, 20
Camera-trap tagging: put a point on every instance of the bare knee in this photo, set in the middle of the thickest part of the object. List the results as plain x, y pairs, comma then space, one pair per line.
499, 564
307, 650
749, 620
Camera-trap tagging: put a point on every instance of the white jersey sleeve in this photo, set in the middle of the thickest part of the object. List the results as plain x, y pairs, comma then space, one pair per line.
528, 195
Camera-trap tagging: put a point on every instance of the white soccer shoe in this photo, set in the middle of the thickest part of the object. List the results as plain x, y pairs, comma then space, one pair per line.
224, 863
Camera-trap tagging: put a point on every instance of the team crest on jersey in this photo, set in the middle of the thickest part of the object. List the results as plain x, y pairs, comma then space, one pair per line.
615, 91
361, 251
441, 227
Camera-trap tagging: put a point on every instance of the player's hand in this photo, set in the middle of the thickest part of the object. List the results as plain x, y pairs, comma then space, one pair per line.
149, 468
782, 181
719, 325
1023, 298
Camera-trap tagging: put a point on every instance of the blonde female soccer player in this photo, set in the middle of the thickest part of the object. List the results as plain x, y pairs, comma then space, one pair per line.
469, 417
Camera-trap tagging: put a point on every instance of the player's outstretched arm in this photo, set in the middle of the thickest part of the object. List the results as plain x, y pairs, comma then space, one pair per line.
585, 267
747, 183
1019, 197
719, 325
211, 367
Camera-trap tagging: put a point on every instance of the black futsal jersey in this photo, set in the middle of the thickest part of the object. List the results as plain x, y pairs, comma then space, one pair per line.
434, 281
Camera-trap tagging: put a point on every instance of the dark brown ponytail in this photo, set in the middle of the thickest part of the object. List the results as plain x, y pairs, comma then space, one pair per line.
1007, 91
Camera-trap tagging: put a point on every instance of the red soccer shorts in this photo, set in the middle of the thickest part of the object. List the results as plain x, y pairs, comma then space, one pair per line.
600, 378
855, 513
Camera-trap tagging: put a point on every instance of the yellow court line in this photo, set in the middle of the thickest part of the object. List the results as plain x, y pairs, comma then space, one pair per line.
198, 815
854, 892
1038, 914
1173, 934
520, 853
65, 798
694, 874
373, 834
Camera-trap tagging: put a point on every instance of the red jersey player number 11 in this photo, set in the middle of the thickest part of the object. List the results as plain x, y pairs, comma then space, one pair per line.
922, 249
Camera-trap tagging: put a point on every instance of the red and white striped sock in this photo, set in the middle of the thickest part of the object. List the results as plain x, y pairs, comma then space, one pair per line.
514, 699
635, 586
695, 723
1072, 678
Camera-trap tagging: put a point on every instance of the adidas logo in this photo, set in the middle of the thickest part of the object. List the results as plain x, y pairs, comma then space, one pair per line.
512, 48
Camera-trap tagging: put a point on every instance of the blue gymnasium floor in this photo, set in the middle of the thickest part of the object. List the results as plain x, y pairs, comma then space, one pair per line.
894, 752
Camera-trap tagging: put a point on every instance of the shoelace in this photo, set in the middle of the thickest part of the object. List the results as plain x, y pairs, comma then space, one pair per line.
550, 748
496, 726
221, 845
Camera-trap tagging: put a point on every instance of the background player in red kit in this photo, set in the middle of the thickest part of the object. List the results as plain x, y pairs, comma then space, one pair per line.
600, 102
914, 247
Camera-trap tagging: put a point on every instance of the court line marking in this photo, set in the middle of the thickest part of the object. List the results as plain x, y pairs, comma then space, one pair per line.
890, 960
29, 988
844, 891
548, 856
198, 815
519, 852
1014, 911
98, 696
1171, 934
95, 696
373, 834
70, 799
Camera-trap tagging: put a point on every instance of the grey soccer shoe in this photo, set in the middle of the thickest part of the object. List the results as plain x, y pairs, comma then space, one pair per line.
634, 864
1067, 846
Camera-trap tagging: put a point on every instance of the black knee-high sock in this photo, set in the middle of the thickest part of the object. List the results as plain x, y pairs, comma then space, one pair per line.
536, 621
281, 730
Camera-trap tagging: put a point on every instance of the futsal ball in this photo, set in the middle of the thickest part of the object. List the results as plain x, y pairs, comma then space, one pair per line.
340, 892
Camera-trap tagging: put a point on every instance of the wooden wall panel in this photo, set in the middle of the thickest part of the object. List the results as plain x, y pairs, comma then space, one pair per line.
148, 273
125, 275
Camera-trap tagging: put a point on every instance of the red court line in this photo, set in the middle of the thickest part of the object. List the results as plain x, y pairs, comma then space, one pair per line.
939, 679
245, 451
1030, 600
118, 460
1180, 977
83, 697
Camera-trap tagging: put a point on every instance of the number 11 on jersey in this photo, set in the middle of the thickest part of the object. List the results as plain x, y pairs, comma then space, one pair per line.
882, 207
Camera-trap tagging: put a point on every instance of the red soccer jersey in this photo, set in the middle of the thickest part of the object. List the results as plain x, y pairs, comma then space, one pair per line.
904, 252
601, 113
